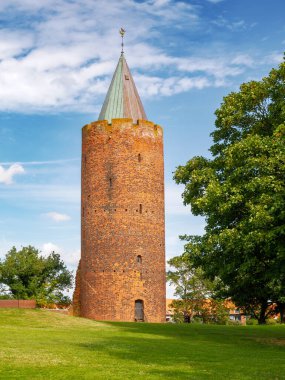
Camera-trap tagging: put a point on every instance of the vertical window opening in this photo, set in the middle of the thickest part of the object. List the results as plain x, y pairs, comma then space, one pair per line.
139, 259
139, 157
140, 208
110, 181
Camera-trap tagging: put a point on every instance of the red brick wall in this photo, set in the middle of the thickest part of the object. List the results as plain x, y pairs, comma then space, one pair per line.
21, 304
122, 218
76, 295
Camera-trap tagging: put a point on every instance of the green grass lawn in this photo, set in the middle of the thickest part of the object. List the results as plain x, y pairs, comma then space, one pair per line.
37, 344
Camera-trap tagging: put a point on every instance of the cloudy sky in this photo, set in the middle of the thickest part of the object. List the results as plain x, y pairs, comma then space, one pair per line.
56, 62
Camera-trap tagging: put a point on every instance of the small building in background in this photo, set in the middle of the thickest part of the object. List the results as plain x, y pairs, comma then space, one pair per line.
234, 314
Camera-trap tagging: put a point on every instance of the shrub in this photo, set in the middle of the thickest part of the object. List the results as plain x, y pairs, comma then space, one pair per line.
271, 321
234, 323
252, 322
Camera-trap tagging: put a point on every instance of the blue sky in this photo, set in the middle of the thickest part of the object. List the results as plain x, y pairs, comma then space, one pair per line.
56, 61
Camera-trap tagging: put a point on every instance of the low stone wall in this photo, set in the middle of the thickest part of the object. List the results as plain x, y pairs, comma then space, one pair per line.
19, 304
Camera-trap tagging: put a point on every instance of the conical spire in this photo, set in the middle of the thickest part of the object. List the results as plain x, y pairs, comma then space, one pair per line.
122, 100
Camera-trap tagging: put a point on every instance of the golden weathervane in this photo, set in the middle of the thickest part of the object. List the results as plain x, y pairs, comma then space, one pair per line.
122, 33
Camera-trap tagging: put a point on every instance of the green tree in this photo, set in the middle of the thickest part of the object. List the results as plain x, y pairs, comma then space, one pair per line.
189, 287
30, 275
240, 191
194, 293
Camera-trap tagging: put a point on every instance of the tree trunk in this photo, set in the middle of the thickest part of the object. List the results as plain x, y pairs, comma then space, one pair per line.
186, 318
262, 314
281, 309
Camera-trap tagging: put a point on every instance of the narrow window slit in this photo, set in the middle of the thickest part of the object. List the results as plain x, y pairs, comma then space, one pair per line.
140, 208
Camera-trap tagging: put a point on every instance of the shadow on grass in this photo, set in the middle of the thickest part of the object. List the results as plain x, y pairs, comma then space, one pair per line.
159, 356
194, 351
210, 332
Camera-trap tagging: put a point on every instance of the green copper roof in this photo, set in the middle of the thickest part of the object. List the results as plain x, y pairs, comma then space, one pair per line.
122, 100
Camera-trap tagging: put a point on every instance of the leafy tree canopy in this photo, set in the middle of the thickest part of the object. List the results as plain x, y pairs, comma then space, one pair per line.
29, 275
241, 193
195, 294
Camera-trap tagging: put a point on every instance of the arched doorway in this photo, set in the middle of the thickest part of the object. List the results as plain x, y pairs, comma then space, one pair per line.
139, 312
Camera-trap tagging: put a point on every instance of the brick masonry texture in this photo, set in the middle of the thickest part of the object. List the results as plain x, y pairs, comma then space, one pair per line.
123, 233
21, 304
75, 307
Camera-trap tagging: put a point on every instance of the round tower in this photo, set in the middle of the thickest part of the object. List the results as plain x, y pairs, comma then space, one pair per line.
121, 276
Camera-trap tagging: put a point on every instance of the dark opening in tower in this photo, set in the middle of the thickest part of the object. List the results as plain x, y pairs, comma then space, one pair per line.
139, 312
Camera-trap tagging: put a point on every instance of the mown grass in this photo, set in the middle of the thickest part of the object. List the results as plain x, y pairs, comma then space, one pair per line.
37, 344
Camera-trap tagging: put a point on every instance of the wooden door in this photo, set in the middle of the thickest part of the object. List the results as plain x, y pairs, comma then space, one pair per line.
139, 314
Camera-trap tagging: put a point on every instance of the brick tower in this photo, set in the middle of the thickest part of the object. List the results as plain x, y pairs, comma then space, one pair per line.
121, 274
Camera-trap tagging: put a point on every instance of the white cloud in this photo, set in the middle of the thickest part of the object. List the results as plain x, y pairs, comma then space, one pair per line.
215, 1
216, 67
25, 5
64, 59
173, 200
57, 217
43, 193
48, 248
274, 58
70, 258
243, 59
168, 9
153, 86
6, 175
13, 43
238, 25
39, 163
